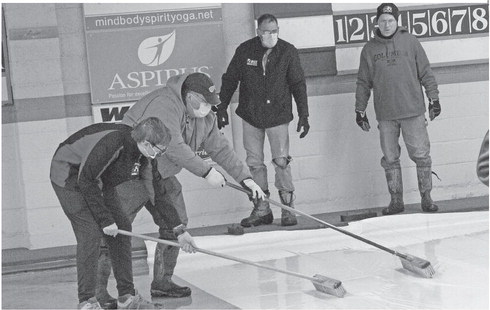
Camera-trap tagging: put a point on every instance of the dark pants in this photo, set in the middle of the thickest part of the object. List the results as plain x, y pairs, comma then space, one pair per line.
134, 195
88, 235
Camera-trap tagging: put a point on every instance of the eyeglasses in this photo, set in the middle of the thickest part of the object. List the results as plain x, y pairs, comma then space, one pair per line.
157, 151
269, 32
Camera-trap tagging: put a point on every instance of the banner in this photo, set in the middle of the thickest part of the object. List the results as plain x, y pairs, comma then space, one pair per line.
131, 54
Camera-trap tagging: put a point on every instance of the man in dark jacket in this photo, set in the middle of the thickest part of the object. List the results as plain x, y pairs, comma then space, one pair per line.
85, 171
269, 72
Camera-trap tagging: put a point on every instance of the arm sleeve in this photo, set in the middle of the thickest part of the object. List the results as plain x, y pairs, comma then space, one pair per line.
220, 150
424, 71
229, 81
297, 83
105, 152
482, 162
364, 83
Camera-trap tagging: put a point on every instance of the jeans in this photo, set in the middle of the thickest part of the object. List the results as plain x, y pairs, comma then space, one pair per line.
88, 235
253, 142
414, 131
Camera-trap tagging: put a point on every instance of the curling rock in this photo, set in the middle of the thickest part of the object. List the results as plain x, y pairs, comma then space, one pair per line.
235, 229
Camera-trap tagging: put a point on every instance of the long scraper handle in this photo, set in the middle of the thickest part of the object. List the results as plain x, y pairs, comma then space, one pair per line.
240, 260
379, 246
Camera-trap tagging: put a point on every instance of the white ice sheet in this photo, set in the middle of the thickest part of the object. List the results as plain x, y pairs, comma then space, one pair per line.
456, 244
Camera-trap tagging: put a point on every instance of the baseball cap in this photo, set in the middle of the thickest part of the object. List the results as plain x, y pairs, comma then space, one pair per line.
202, 84
387, 8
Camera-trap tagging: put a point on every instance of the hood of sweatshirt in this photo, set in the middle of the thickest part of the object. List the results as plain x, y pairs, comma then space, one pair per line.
389, 43
175, 85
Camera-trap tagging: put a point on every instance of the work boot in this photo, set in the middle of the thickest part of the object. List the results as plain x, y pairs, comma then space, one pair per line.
89, 304
424, 177
104, 267
287, 218
135, 301
261, 213
395, 187
163, 269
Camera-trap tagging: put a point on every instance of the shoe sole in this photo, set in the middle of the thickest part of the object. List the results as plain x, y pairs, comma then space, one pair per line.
289, 224
109, 305
155, 293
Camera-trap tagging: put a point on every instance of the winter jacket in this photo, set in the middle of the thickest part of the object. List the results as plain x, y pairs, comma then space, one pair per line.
93, 160
482, 161
187, 134
396, 69
265, 96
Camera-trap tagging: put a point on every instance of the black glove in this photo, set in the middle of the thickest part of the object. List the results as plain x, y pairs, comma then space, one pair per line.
303, 122
362, 120
221, 116
434, 109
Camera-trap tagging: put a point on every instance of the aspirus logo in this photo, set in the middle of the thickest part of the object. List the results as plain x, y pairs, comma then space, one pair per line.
154, 51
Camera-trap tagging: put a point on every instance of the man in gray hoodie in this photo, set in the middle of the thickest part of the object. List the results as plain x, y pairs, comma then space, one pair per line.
183, 106
395, 66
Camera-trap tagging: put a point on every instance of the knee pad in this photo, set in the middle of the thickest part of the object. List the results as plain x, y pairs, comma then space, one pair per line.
286, 197
282, 162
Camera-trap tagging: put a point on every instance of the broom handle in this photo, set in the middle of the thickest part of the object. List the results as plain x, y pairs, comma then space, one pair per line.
240, 260
379, 246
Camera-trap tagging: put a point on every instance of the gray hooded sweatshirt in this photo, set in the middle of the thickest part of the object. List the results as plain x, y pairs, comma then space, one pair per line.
188, 134
396, 69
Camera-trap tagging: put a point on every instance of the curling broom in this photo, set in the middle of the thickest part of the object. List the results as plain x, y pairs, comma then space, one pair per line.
322, 283
412, 263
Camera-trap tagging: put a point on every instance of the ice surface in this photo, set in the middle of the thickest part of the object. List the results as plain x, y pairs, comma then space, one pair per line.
456, 244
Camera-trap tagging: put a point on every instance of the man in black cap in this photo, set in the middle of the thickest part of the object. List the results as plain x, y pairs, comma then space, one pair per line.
395, 66
183, 105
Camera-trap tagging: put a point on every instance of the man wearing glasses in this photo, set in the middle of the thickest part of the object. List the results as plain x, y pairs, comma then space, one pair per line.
85, 171
183, 105
269, 72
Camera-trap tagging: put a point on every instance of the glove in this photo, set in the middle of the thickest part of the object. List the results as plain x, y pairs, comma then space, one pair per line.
257, 192
215, 178
434, 109
303, 122
222, 118
187, 242
362, 120
111, 230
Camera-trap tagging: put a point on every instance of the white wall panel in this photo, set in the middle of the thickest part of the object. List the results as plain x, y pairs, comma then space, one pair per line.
308, 32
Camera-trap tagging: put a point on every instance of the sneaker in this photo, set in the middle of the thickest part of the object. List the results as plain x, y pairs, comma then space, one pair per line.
91, 303
255, 220
136, 301
171, 290
108, 303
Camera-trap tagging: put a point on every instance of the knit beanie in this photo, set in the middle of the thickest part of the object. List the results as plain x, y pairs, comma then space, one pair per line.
387, 8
